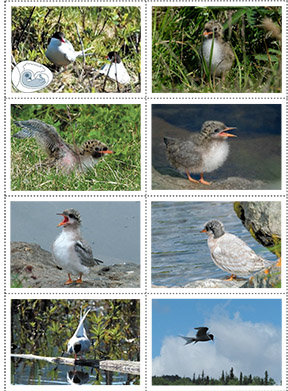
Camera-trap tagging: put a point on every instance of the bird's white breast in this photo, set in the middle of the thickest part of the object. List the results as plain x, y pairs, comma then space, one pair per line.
60, 53
64, 253
217, 53
116, 72
215, 156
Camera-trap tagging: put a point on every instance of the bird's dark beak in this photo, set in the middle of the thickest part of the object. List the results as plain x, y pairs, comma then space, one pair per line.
224, 134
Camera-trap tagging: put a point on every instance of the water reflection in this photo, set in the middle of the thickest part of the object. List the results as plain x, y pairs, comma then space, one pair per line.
77, 377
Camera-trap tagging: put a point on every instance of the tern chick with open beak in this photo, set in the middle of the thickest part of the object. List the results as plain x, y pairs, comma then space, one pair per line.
70, 251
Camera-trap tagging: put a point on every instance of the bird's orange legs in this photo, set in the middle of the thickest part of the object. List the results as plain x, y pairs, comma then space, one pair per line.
190, 178
231, 278
201, 180
79, 281
69, 281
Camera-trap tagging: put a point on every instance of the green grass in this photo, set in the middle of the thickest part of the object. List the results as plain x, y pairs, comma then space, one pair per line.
177, 37
118, 126
105, 28
16, 281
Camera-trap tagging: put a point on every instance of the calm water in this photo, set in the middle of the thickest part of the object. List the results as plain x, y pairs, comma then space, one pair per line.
36, 373
180, 252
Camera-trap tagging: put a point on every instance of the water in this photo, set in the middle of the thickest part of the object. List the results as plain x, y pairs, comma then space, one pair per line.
43, 373
111, 228
180, 253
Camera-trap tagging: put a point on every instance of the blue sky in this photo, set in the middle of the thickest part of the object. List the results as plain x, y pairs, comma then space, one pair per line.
247, 336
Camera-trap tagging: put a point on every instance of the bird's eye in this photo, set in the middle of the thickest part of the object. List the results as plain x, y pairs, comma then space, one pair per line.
216, 130
71, 216
215, 29
96, 148
105, 149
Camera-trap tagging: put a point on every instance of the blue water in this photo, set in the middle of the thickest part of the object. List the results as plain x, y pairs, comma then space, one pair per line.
180, 253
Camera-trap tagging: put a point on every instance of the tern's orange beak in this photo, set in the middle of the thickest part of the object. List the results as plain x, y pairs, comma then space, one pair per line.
105, 152
64, 221
224, 134
203, 230
207, 33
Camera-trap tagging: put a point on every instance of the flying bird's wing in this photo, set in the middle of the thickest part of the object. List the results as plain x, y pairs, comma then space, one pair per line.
45, 135
201, 331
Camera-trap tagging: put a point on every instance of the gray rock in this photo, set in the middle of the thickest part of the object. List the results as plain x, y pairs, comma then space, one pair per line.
215, 283
269, 278
33, 267
173, 182
263, 220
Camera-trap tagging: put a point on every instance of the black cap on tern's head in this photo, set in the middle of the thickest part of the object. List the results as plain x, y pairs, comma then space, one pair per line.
215, 228
114, 57
59, 35
211, 336
71, 216
213, 27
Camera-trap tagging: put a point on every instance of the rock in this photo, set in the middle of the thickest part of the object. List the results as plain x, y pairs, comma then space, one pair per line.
263, 220
208, 283
269, 278
215, 283
173, 182
33, 267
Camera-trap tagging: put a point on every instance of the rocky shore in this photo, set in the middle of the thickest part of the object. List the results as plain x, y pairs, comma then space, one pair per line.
172, 182
33, 267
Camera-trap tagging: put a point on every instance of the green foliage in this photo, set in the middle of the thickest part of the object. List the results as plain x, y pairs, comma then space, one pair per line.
103, 28
43, 328
16, 281
224, 379
116, 125
176, 40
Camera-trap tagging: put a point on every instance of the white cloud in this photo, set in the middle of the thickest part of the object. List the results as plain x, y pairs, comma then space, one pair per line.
245, 346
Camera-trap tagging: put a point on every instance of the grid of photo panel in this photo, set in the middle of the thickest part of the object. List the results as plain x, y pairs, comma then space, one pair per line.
144, 194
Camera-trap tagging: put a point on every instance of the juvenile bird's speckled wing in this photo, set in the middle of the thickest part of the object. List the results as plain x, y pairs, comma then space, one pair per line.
45, 135
84, 252
228, 51
229, 56
182, 153
233, 255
